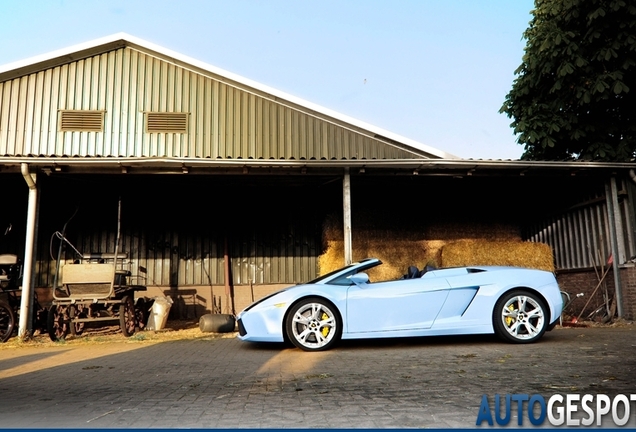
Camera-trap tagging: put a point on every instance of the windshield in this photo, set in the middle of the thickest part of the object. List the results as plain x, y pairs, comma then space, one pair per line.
328, 275
338, 277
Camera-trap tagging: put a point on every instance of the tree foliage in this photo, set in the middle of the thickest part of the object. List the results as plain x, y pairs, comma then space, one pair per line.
574, 96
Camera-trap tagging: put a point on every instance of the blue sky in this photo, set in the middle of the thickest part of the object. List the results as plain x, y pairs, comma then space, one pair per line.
435, 71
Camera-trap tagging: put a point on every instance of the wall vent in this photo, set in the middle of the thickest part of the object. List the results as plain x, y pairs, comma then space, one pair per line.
82, 120
166, 122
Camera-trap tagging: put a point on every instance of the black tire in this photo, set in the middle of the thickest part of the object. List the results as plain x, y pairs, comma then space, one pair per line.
217, 323
313, 324
7, 321
127, 318
520, 316
58, 322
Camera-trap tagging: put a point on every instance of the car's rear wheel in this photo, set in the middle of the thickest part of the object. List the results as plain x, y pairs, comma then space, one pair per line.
520, 316
313, 324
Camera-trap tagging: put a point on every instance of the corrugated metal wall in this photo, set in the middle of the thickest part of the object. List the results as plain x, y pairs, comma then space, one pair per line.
178, 259
580, 238
176, 227
225, 122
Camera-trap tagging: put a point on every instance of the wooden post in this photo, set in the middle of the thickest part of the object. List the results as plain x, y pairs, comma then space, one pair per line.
613, 219
226, 254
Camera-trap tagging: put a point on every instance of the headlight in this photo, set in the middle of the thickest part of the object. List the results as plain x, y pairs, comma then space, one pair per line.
262, 300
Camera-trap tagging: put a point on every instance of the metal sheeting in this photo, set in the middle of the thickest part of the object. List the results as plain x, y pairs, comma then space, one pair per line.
580, 238
225, 121
573, 248
177, 259
175, 227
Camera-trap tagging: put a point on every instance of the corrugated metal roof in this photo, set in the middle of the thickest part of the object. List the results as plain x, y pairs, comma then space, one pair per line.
123, 74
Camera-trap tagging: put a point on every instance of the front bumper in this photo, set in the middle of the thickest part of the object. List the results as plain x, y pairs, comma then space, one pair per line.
261, 324
241, 327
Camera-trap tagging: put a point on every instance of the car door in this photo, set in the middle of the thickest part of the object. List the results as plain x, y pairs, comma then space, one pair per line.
408, 304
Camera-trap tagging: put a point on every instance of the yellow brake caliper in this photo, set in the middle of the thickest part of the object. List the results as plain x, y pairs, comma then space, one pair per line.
324, 330
510, 320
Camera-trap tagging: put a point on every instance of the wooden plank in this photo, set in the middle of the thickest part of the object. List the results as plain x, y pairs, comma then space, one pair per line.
88, 273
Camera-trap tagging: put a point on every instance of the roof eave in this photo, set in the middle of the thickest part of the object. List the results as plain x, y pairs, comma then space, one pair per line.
61, 57
415, 166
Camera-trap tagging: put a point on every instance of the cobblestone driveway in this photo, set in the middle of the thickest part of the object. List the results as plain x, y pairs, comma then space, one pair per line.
225, 383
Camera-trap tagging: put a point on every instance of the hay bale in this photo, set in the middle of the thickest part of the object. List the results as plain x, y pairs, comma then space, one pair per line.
332, 258
397, 256
505, 253
451, 231
400, 246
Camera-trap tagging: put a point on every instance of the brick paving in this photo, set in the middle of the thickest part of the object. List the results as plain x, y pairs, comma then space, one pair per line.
225, 383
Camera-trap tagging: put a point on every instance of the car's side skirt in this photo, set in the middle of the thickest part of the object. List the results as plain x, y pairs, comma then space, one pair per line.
482, 329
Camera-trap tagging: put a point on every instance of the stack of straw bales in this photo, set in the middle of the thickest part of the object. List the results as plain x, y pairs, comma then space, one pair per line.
507, 253
441, 245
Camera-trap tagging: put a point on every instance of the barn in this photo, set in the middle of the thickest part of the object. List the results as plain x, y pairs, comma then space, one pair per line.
219, 190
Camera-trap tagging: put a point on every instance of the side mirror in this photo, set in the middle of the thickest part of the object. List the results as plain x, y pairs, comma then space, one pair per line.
359, 278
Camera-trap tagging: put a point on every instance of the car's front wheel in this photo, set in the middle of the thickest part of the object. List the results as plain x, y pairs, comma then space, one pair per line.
520, 316
313, 324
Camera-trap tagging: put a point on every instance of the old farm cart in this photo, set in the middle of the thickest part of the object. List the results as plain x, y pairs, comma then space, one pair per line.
94, 288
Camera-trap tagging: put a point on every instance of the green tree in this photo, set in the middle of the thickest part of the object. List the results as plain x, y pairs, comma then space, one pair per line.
574, 96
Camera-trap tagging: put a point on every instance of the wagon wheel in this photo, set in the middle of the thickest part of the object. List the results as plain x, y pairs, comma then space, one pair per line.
141, 313
76, 311
40, 314
58, 322
7, 321
127, 319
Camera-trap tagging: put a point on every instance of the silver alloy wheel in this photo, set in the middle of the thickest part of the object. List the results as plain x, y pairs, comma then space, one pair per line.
314, 325
523, 317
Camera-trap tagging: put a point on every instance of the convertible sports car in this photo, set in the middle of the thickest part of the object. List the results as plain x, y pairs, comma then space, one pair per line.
517, 304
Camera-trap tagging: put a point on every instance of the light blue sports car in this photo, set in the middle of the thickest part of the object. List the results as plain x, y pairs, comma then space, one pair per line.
517, 304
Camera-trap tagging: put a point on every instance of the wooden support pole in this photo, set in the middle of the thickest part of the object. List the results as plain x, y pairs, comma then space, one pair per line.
614, 222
